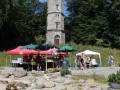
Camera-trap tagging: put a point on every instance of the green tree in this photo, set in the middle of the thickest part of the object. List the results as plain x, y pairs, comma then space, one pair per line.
87, 21
21, 21
114, 20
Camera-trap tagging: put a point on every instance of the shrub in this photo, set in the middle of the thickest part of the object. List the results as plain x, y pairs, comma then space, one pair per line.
65, 72
114, 78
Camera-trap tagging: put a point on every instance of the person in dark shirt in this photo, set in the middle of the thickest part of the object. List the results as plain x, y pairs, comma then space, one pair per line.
38, 61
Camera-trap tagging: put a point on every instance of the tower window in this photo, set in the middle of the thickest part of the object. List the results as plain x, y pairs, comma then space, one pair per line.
57, 6
57, 24
57, 39
56, 15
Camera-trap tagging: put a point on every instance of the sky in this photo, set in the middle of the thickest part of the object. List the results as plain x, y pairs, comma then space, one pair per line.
65, 11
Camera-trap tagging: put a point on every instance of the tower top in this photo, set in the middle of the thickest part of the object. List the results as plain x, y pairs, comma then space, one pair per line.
56, 6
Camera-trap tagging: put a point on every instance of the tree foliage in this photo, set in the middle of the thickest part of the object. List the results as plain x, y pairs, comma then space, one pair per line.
94, 22
21, 21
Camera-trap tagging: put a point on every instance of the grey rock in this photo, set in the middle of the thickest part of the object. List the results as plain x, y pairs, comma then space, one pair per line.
49, 84
58, 80
67, 82
19, 88
68, 76
91, 83
115, 85
20, 84
20, 73
40, 86
5, 73
40, 81
3, 86
81, 81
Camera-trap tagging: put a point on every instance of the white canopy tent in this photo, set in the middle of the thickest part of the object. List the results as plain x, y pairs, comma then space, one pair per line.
88, 52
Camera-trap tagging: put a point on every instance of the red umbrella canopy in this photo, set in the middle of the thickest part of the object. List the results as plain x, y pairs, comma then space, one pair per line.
14, 51
28, 51
45, 53
49, 52
18, 51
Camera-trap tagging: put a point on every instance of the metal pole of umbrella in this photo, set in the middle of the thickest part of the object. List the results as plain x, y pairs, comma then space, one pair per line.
32, 63
46, 60
6, 60
15, 66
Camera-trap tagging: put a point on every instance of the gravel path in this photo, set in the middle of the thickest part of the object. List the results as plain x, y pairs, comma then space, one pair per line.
104, 71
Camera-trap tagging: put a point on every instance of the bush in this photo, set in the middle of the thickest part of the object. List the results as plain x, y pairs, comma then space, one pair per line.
114, 78
65, 72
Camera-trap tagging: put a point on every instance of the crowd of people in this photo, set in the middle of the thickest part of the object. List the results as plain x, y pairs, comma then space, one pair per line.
38, 62
84, 62
33, 63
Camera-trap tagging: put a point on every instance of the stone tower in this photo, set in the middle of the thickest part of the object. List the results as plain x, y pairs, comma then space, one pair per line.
55, 22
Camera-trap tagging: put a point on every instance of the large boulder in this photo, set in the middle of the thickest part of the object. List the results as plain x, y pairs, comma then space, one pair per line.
58, 80
67, 82
115, 85
26, 82
20, 74
91, 83
49, 84
47, 77
40, 86
5, 73
40, 81
3, 86
20, 85
81, 81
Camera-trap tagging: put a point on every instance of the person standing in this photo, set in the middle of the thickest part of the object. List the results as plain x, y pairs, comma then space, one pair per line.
83, 61
110, 60
38, 61
25, 62
78, 62
61, 58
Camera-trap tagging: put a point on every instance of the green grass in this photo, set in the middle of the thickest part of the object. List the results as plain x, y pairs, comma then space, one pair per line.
5, 59
36, 74
97, 78
80, 86
64, 89
104, 54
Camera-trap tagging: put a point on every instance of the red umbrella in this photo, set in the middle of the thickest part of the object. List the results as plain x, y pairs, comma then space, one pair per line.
45, 53
18, 51
14, 51
28, 51
49, 52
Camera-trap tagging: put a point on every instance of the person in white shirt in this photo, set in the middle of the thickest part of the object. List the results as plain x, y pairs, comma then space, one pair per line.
93, 62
